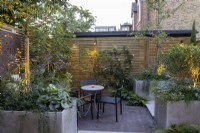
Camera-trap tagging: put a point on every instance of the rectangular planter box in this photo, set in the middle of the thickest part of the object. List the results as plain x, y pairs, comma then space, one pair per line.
49, 122
176, 113
144, 88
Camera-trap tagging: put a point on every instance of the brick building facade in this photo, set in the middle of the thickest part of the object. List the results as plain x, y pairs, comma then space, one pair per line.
182, 19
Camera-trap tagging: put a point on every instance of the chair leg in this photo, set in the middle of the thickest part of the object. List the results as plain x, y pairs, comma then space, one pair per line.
121, 107
116, 112
103, 107
100, 103
77, 118
98, 110
91, 110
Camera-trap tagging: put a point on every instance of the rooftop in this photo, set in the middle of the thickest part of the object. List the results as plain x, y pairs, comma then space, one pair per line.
171, 33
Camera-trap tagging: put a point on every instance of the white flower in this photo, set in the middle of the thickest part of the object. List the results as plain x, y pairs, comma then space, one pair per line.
15, 77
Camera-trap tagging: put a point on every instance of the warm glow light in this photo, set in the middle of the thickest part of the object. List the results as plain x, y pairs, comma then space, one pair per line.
195, 74
182, 44
92, 53
74, 46
161, 69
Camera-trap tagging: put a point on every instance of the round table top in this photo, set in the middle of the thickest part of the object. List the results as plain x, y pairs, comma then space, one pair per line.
92, 87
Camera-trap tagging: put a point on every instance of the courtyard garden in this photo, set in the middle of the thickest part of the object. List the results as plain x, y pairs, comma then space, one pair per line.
43, 59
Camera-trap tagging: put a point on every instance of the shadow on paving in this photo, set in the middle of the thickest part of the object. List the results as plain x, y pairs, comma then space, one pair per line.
133, 119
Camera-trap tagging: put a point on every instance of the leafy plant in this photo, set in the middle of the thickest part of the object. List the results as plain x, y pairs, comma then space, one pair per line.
176, 90
15, 95
133, 99
54, 99
183, 61
114, 66
182, 128
149, 74
43, 94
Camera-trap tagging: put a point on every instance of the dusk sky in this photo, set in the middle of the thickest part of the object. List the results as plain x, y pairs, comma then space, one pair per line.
107, 12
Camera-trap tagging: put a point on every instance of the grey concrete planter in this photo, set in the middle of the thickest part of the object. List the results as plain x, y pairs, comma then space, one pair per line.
49, 122
144, 88
178, 112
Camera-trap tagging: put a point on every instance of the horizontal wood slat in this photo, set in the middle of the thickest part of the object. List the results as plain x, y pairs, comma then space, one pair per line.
143, 49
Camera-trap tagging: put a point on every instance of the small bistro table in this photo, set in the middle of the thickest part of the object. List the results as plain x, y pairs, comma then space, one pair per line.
92, 87
95, 89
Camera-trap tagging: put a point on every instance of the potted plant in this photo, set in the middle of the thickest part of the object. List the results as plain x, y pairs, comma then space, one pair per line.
177, 101
143, 86
34, 109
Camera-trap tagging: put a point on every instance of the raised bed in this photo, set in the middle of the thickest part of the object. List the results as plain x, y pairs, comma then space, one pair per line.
178, 112
48, 122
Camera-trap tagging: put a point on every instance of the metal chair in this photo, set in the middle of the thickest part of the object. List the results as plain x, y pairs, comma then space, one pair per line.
111, 100
87, 99
86, 82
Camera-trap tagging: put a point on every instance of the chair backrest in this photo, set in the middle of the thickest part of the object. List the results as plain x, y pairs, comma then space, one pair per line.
88, 82
118, 92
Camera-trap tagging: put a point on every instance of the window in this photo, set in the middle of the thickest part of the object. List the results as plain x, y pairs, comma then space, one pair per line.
111, 29
125, 29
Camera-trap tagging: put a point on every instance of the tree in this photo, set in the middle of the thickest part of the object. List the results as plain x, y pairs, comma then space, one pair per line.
49, 25
162, 13
193, 35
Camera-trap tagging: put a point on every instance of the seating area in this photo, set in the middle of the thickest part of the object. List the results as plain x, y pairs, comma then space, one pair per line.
134, 119
109, 113
61, 71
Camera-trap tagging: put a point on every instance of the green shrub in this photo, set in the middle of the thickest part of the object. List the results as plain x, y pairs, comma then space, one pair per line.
43, 94
15, 95
183, 61
112, 67
176, 90
149, 74
54, 99
133, 99
182, 128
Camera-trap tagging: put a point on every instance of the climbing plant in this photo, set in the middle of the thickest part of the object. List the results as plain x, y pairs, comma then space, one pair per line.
112, 67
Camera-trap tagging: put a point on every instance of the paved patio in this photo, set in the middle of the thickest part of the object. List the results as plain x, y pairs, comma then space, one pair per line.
134, 119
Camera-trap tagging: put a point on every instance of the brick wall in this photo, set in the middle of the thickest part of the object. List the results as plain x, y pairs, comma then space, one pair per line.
181, 20
184, 17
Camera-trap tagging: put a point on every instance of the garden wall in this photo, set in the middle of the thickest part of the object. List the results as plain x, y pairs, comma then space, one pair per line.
143, 50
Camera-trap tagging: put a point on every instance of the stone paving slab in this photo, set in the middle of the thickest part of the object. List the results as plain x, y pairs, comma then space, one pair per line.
134, 119
105, 132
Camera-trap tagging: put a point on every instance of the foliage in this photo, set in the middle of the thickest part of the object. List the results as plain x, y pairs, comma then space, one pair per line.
112, 68
162, 13
133, 99
54, 99
44, 94
183, 61
176, 90
15, 96
193, 35
49, 25
149, 74
182, 128
38, 13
